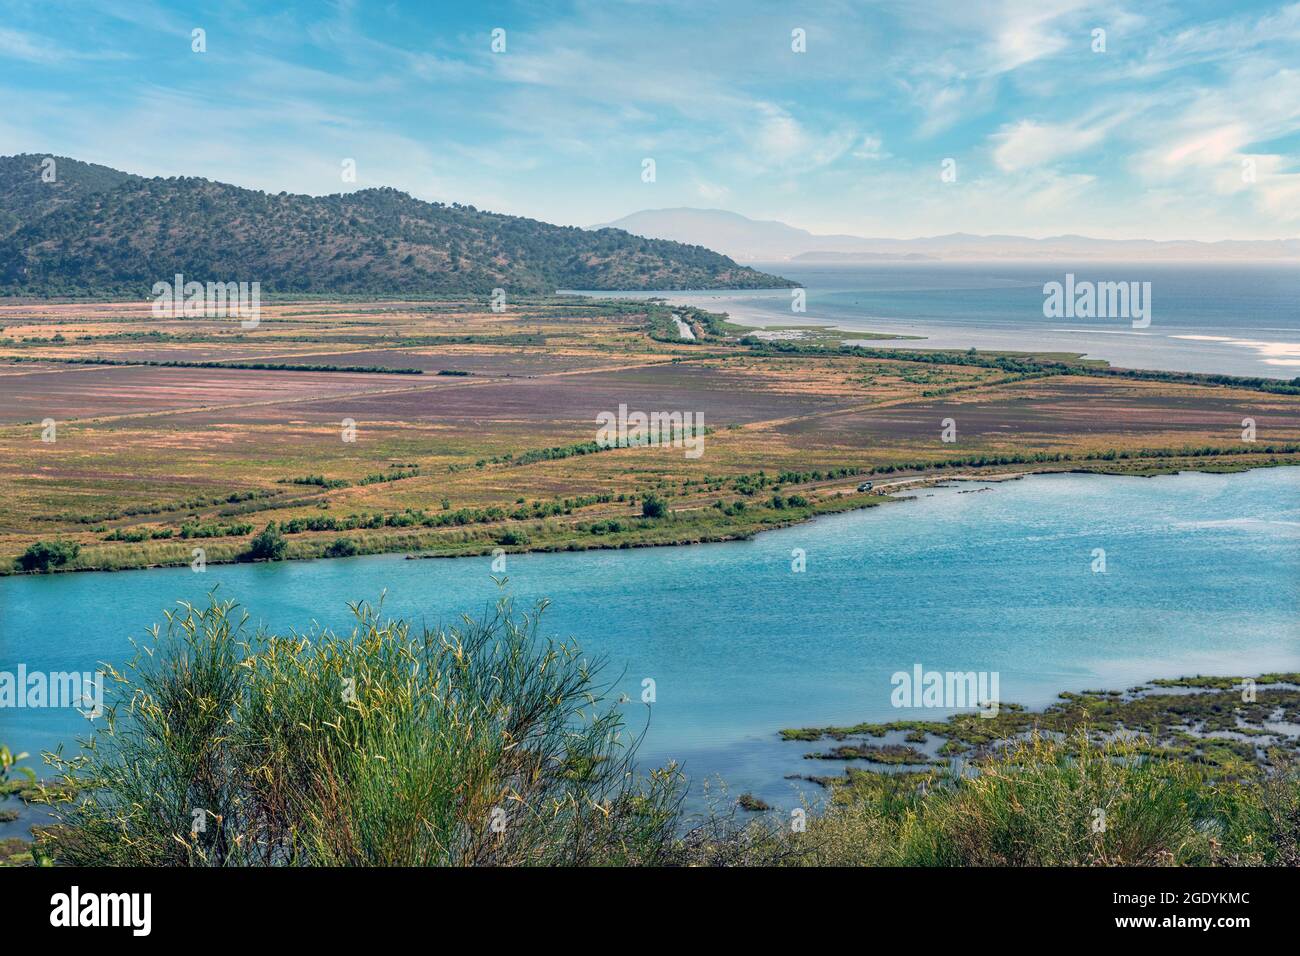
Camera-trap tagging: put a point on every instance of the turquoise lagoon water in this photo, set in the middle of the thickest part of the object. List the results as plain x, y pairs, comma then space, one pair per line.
1203, 575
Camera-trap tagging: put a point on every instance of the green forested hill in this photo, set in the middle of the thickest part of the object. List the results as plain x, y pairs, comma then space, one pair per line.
97, 231
26, 197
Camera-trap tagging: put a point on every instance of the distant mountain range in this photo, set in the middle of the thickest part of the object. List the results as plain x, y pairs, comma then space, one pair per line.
92, 230
755, 240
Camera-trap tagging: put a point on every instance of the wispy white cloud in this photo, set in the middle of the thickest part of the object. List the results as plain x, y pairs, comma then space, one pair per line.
1149, 137
1027, 144
1218, 40
32, 48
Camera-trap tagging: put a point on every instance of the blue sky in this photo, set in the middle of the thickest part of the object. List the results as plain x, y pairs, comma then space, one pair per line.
1149, 138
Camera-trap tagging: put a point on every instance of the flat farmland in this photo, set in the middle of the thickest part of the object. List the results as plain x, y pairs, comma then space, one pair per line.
577, 399
88, 391
517, 362
150, 461
1061, 411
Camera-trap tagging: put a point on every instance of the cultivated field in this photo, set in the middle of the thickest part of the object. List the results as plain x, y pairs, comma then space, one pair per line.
447, 428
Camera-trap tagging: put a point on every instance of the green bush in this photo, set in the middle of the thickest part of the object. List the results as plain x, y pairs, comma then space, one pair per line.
1265, 830
653, 507
44, 555
1042, 802
341, 548
482, 744
269, 545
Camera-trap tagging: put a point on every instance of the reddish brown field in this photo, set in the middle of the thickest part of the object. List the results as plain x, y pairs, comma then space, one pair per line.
67, 392
520, 362
1058, 410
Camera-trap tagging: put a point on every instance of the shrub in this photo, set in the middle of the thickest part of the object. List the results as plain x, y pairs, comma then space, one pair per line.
269, 545
383, 747
512, 537
319, 481
1037, 803
1267, 830
198, 530
653, 507
44, 555
341, 548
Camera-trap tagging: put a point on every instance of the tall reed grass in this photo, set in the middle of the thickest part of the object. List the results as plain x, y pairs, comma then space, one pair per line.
477, 744
1073, 802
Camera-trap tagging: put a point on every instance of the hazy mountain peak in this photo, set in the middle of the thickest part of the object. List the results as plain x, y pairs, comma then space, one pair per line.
755, 240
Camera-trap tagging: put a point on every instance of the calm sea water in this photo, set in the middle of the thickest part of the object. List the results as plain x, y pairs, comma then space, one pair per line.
1203, 575
1230, 319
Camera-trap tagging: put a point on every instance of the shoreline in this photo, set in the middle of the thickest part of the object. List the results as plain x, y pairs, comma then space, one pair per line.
1278, 360
1222, 724
840, 503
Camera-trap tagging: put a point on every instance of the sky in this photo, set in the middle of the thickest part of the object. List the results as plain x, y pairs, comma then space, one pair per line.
1181, 121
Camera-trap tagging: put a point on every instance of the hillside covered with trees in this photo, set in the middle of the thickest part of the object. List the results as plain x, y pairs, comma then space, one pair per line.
98, 231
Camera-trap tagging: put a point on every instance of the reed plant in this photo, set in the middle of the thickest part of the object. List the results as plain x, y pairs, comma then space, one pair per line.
482, 743
1078, 801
